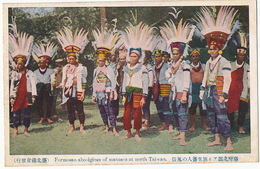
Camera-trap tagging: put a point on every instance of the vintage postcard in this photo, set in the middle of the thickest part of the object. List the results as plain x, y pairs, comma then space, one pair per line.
129, 83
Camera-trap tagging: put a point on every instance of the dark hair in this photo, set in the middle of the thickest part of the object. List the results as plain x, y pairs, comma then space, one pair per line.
148, 53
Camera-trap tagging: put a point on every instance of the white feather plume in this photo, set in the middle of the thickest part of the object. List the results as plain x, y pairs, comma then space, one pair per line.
182, 33
207, 23
241, 40
48, 49
161, 44
105, 38
66, 38
139, 36
19, 43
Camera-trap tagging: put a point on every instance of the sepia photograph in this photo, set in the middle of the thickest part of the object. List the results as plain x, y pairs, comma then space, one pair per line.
130, 83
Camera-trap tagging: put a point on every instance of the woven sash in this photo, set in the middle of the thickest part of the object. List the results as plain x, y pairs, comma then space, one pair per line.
137, 96
219, 84
165, 90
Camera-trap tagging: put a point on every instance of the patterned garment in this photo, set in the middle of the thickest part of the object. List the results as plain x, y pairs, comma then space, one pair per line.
217, 115
235, 90
21, 100
180, 114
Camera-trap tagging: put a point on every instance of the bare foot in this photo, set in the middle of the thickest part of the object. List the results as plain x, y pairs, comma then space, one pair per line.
171, 130
228, 147
145, 126
127, 136
49, 120
206, 127
106, 130
137, 138
177, 137
192, 128
214, 143
183, 142
41, 120
27, 134
71, 130
241, 130
81, 129
14, 134
164, 127
115, 132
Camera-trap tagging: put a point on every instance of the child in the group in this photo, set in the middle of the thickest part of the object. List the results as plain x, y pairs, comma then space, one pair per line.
104, 86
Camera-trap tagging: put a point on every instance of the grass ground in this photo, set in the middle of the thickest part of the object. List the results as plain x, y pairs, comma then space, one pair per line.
53, 139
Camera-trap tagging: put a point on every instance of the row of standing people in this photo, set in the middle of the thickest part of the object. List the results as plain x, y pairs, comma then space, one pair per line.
158, 80
171, 83
188, 80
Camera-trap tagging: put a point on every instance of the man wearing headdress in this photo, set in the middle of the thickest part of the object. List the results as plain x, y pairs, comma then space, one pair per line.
43, 83
104, 88
146, 107
217, 75
179, 76
135, 82
22, 95
214, 89
74, 87
22, 81
197, 72
74, 75
161, 92
237, 94
134, 91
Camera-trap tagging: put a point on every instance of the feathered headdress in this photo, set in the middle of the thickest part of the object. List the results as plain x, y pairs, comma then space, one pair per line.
44, 51
72, 43
161, 44
241, 41
216, 30
105, 41
178, 37
20, 44
137, 39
